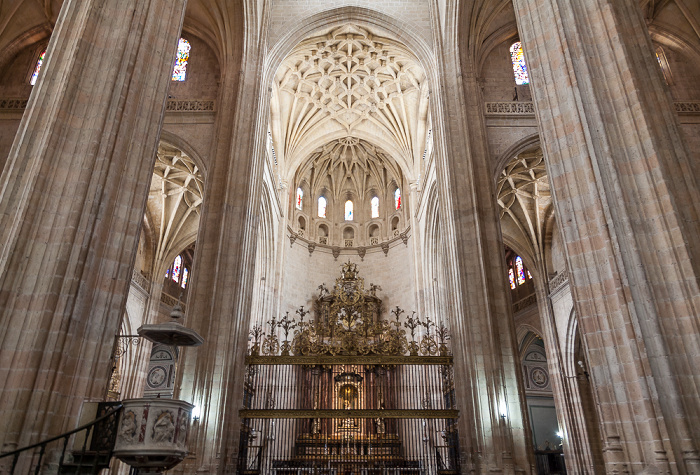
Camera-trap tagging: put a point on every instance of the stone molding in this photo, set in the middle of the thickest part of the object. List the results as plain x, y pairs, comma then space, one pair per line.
361, 250
189, 106
14, 103
510, 108
528, 108
491, 108
692, 107
138, 279
171, 301
524, 303
558, 281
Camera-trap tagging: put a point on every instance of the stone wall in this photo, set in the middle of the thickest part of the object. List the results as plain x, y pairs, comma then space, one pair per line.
303, 273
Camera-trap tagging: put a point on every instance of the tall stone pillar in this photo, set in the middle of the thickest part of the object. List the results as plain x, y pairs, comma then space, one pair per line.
493, 428
422, 288
628, 205
71, 203
219, 302
580, 450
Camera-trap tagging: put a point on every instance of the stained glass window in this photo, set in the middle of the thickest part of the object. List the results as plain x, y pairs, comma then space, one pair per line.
348, 210
663, 63
167, 273
321, 207
375, 207
176, 269
185, 275
529, 276
511, 278
300, 196
519, 67
397, 198
39, 62
183, 55
519, 269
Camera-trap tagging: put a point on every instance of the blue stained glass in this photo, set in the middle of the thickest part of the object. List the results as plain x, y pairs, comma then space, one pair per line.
183, 55
519, 68
39, 62
176, 268
519, 269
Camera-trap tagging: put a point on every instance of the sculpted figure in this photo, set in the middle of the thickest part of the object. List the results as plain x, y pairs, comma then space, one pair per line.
164, 428
127, 431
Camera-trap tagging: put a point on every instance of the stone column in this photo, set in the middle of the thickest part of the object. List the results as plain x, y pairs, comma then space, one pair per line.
628, 205
488, 385
580, 451
422, 290
72, 201
219, 302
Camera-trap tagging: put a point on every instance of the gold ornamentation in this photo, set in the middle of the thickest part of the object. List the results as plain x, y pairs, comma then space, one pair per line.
348, 413
328, 360
348, 322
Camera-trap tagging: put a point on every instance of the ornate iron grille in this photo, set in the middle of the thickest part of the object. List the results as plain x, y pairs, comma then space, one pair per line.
340, 390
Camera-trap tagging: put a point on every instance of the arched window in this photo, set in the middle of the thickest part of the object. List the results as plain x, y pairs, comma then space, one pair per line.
375, 207
348, 210
519, 269
321, 207
185, 275
176, 269
519, 68
511, 278
663, 64
183, 55
37, 68
397, 198
300, 197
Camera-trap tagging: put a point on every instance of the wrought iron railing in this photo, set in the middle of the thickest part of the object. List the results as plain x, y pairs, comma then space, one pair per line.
550, 461
342, 389
95, 454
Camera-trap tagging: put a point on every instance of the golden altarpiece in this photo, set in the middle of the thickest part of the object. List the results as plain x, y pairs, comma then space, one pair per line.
343, 390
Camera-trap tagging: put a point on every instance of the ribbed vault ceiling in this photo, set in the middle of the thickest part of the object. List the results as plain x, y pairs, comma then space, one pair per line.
349, 82
349, 164
174, 202
524, 196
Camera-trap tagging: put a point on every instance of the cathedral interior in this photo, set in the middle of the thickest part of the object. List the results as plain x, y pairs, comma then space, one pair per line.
426, 237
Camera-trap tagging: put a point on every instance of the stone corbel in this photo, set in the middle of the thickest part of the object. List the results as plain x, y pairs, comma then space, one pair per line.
312, 246
361, 251
292, 238
336, 252
385, 248
404, 238
283, 187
